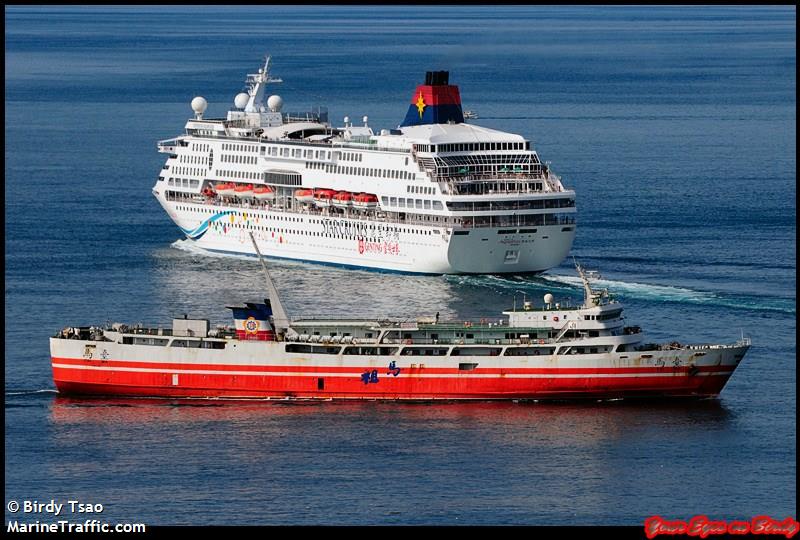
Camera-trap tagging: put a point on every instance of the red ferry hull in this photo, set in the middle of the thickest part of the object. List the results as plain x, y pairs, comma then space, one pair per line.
158, 379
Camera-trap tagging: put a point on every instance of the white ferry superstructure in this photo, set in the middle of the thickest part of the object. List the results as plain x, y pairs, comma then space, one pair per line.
437, 195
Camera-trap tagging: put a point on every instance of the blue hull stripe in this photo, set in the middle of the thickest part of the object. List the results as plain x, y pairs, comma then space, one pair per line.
200, 230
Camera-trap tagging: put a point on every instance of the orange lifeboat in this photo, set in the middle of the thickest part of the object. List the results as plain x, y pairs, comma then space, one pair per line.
225, 190
365, 200
264, 193
322, 197
304, 195
343, 199
244, 191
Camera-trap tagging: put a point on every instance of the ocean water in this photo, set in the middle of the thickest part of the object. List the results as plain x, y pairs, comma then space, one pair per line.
676, 128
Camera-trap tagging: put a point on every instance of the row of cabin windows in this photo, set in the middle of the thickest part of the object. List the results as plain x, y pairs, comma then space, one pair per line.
363, 171
240, 147
412, 203
234, 158
246, 175
351, 156
183, 182
192, 159
326, 235
188, 170
604, 316
197, 147
472, 147
426, 190
306, 153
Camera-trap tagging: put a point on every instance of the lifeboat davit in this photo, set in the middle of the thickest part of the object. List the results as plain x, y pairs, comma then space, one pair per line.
244, 191
343, 199
322, 197
225, 190
263, 193
304, 195
365, 200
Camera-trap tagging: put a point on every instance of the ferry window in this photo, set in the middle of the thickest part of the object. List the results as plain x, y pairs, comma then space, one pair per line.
419, 203
427, 204
402, 203
385, 201
437, 205
394, 201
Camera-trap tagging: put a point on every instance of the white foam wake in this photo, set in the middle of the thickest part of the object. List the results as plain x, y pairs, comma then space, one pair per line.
190, 246
638, 290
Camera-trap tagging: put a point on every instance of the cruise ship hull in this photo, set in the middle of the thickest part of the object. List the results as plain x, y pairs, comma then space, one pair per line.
259, 370
359, 242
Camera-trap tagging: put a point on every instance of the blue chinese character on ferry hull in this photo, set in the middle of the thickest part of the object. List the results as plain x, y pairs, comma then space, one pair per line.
393, 369
369, 376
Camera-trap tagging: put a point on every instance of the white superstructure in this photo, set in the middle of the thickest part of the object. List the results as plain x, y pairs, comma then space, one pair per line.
436, 195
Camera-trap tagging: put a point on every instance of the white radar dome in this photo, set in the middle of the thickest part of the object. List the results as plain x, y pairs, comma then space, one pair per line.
548, 298
241, 99
275, 103
199, 105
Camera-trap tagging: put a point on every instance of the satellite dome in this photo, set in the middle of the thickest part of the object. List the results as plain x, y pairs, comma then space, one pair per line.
548, 298
199, 105
275, 103
241, 99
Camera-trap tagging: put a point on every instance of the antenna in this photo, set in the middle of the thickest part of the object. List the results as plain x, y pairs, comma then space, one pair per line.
279, 317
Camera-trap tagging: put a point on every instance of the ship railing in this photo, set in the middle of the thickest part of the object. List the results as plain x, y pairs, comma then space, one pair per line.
465, 222
311, 210
469, 341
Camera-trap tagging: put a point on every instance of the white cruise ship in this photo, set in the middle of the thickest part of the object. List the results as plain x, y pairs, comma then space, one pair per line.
437, 195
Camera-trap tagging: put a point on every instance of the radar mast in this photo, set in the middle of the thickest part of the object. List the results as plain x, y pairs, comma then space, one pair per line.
256, 83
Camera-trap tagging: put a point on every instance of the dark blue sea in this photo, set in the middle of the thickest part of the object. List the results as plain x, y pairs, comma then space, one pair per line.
676, 126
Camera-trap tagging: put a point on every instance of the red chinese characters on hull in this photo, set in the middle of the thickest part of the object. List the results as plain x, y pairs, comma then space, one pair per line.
388, 248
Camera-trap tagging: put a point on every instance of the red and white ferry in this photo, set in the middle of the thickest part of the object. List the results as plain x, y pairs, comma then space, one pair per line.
553, 351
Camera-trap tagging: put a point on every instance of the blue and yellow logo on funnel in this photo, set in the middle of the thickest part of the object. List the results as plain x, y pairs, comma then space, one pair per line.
420, 105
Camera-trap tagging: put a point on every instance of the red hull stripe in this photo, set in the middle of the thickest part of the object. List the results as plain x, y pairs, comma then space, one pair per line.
264, 369
356, 373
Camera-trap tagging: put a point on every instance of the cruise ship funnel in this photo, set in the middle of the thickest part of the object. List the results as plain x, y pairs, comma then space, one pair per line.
435, 102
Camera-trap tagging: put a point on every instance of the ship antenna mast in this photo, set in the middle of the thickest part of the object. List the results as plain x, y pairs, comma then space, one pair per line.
279, 317
591, 298
256, 83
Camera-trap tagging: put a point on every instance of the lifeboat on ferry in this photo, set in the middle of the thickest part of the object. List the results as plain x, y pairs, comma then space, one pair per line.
343, 199
365, 200
304, 195
244, 191
209, 192
263, 193
225, 190
322, 197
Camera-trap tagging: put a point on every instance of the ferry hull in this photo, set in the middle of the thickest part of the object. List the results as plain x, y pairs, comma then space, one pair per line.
245, 376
